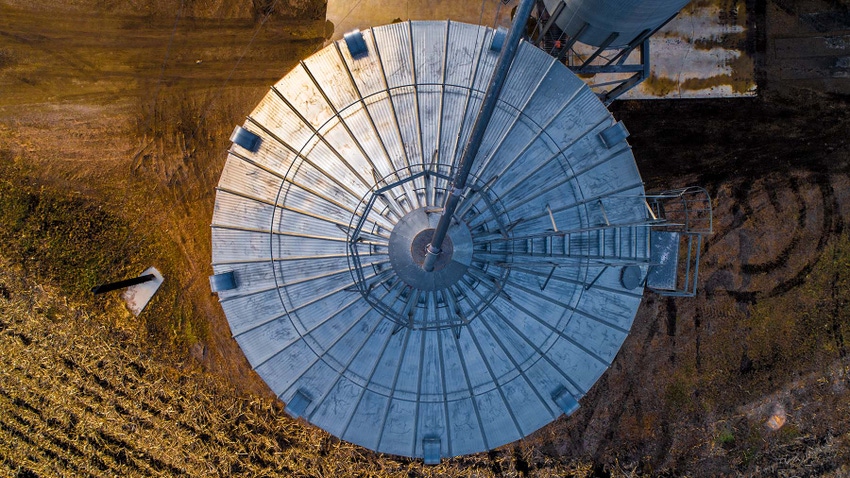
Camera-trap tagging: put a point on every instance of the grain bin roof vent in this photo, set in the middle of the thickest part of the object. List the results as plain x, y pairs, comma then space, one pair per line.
356, 45
245, 139
498, 39
222, 281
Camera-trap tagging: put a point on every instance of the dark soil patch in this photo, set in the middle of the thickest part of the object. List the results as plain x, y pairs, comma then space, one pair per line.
59, 237
714, 140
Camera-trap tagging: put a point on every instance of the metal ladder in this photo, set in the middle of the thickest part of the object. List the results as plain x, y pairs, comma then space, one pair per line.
610, 245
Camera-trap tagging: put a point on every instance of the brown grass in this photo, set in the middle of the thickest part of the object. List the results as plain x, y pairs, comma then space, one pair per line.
659, 86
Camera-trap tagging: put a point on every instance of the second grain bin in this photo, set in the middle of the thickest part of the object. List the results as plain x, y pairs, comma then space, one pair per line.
611, 23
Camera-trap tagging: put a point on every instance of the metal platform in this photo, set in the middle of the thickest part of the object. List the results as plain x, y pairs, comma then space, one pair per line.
320, 224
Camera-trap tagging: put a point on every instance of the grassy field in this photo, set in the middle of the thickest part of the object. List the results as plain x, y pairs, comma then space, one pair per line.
114, 118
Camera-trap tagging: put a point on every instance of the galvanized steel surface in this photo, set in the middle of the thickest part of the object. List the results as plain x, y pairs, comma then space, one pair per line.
627, 18
350, 149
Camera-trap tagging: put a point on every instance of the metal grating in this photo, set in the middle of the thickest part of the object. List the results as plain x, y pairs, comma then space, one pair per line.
354, 162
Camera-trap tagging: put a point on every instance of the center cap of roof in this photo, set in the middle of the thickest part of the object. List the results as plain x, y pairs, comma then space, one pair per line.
408, 240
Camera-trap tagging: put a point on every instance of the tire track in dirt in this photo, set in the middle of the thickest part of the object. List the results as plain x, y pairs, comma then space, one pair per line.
110, 57
796, 234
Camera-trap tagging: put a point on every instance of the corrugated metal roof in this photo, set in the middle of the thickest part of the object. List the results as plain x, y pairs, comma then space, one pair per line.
526, 316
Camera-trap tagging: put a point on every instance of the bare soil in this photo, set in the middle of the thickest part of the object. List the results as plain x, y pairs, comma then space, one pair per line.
127, 109
114, 118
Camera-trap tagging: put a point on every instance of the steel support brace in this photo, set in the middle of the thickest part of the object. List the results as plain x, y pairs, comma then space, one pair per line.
552, 19
608, 41
625, 52
562, 53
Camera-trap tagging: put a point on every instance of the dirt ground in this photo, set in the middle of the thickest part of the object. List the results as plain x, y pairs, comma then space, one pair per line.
120, 111
130, 106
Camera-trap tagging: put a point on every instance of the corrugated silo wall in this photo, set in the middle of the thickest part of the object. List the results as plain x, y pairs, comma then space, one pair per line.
628, 18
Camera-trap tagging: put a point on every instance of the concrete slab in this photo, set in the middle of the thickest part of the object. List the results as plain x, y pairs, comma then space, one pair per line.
701, 54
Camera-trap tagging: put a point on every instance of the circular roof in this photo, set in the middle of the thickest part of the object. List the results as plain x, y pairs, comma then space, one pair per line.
330, 191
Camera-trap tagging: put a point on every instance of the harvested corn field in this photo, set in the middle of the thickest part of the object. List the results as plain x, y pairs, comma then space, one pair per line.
79, 396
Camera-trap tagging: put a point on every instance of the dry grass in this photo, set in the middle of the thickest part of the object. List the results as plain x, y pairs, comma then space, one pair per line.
66, 238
